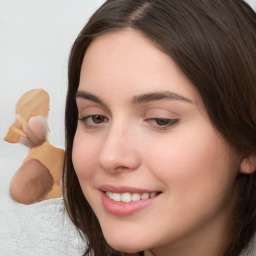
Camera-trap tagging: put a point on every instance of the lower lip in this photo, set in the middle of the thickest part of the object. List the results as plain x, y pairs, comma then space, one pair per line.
125, 209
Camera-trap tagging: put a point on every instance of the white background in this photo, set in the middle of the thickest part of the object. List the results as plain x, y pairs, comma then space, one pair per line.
35, 39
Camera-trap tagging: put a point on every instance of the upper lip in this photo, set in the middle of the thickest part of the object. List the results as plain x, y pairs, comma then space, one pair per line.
123, 189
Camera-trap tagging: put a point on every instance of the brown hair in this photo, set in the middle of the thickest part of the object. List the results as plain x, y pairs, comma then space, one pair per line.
214, 43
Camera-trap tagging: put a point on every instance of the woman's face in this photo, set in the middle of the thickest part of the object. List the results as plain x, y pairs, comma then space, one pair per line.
150, 163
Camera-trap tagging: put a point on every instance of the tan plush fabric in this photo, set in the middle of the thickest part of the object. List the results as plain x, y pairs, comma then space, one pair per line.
52, 158
33, 103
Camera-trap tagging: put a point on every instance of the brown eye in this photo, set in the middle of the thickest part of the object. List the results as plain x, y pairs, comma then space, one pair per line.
165, 122
98, 119
93, 121
162, 123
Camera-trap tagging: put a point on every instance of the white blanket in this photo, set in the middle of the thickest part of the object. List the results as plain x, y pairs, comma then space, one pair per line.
39, 229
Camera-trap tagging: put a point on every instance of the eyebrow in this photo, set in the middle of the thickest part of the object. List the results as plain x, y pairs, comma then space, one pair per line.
88, 96
139, 99
162, 95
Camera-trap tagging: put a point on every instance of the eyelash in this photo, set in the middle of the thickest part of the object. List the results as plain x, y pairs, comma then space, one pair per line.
167, 123
89, 122
92, 124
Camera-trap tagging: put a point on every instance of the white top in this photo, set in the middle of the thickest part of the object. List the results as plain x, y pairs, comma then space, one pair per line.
41, 229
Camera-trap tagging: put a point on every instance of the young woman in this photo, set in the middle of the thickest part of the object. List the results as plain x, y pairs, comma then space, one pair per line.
161, 128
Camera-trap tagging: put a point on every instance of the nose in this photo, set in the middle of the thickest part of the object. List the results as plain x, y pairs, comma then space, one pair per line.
119, 151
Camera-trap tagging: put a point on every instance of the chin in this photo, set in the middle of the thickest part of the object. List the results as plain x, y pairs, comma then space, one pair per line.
126, 249
125, 245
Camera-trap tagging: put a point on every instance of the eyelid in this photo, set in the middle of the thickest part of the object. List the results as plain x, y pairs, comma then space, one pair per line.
84, 111
156, 116
86, 106
160, 113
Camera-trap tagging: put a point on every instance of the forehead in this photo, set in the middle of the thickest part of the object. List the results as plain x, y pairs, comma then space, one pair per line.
130, 61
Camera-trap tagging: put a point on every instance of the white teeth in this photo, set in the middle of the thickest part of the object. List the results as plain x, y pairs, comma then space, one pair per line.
116, 197
135, 197
145, 196
109, 194
152, 194
128, 197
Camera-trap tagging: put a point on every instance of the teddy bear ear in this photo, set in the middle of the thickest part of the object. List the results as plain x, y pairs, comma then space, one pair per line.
248, 164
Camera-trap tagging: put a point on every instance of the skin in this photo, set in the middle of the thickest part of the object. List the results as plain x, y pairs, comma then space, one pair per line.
189, 163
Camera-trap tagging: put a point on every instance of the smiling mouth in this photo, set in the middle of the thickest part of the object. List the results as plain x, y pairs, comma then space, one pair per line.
130, 197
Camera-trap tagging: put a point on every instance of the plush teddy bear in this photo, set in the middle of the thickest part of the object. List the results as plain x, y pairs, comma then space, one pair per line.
39, 176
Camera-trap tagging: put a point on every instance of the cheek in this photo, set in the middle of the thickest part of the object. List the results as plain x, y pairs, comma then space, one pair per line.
84, 157
192, 163
197, 178
85, 161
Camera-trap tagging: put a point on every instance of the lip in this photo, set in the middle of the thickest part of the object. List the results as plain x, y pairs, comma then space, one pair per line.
122, 208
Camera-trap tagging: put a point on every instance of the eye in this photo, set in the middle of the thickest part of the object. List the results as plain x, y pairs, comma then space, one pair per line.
97, 119
162, 123
93, 121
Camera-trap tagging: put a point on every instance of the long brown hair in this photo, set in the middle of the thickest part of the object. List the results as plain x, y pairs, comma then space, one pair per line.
214, 43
